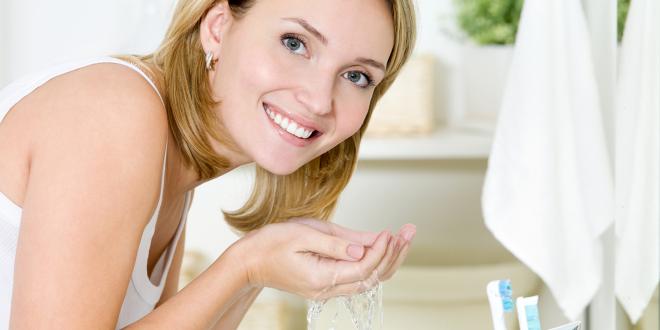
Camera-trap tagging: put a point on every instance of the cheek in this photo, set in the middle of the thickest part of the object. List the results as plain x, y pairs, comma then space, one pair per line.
256, 72
352, 118
260, 69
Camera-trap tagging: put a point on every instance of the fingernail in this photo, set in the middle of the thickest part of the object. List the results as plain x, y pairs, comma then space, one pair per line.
408, 235
355, 251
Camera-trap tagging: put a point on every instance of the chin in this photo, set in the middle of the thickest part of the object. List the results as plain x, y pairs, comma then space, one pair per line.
279, 168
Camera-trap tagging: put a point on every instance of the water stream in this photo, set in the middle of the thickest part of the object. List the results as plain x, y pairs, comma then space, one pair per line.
364, 310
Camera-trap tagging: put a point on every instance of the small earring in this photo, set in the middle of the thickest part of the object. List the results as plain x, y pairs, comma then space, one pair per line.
210, 61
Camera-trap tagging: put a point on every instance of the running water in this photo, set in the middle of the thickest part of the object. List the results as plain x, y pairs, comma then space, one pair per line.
365, 310
314, 313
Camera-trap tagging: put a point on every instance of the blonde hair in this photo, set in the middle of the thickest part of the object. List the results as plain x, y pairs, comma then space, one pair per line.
310, 191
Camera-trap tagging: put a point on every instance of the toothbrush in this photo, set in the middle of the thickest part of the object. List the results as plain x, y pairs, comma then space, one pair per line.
528, 313
499, 296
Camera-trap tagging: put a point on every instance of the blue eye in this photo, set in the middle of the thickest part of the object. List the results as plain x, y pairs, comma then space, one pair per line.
360, 79
295, 45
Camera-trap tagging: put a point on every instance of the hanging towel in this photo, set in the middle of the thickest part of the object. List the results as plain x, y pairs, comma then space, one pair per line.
548, 193
637, 165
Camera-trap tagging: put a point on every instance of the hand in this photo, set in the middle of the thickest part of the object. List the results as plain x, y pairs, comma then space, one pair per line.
397, 248
300, 259
318, 260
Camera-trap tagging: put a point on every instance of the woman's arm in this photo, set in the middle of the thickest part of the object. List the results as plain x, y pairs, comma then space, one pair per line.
234, 315
187, 313
202, 302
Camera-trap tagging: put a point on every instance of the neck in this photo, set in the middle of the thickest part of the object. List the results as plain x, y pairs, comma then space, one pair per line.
181, 178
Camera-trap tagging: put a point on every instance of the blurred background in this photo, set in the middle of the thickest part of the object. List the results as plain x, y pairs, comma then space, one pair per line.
423, 162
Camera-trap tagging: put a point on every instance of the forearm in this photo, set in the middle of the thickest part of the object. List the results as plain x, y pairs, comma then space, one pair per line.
234, 315
202, 302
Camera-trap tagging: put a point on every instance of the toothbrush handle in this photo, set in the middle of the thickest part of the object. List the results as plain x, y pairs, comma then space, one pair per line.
498, 322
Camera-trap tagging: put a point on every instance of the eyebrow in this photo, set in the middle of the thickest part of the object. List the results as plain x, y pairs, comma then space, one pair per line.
302, 22
370, 62
309, 28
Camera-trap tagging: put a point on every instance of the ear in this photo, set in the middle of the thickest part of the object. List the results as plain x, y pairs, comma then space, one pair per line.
214, 26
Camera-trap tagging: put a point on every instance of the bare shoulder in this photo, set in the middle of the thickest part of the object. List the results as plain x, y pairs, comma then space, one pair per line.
104, 118
99, 110
105, 95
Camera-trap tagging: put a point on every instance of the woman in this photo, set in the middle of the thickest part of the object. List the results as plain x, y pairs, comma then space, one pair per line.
100, 160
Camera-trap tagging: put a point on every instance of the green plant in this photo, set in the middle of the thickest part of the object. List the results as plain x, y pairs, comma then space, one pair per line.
489, 21
496, 21
622, 13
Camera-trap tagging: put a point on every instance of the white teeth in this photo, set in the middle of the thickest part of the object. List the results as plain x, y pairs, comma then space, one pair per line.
289, 125
292, 127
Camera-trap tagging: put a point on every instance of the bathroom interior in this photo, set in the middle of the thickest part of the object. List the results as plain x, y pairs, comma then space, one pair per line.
424, 161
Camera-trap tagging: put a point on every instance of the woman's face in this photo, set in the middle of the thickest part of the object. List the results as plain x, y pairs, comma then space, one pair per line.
295, 77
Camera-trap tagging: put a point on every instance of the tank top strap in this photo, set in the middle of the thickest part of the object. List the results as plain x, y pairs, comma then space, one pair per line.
138, 70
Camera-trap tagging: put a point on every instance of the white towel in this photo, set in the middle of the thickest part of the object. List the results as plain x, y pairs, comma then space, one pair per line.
637, 165
548, 190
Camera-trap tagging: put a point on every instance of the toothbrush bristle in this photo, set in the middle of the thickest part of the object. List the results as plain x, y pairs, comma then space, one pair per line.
506, 295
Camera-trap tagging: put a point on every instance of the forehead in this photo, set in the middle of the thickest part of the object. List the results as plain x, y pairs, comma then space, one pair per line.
362, 25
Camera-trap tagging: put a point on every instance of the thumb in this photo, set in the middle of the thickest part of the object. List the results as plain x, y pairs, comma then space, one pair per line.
333, 246
364, 238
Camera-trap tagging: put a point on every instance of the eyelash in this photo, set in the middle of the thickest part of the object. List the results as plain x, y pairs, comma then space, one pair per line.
301, 39
370, 81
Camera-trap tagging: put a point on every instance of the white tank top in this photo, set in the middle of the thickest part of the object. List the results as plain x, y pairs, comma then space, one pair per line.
141, 294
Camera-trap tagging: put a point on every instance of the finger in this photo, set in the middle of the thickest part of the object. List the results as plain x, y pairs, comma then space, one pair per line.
389, 257
398, 246
408, 231
387, 264
330, 246
406, 234
348, 272
397, 263
365, 238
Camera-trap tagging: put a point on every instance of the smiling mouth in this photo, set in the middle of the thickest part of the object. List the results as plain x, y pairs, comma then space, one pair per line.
289, 125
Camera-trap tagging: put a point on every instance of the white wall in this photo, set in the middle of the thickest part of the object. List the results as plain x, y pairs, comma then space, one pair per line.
3, 43
41, 33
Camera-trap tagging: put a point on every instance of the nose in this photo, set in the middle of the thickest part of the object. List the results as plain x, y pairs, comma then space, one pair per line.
317, 95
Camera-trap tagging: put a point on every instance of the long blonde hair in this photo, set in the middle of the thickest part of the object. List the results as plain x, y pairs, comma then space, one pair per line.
310, 191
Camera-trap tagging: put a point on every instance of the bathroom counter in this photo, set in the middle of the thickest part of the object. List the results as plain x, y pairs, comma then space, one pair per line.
443, 143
